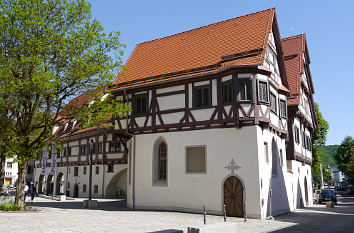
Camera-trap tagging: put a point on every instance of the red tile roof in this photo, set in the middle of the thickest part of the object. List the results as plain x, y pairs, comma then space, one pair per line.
237, 41
293, 48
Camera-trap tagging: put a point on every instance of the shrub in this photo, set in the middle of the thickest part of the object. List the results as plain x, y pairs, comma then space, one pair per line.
10, 207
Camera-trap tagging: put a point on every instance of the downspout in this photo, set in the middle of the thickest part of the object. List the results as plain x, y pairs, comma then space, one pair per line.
134, 149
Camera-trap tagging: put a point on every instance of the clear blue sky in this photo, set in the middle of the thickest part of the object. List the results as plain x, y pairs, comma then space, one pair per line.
329, 26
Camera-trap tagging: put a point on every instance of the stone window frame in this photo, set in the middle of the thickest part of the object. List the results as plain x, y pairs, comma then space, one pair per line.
155, 156
160, 175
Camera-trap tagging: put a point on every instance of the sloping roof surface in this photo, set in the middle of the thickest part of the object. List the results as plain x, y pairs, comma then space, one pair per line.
202, 49
293, 47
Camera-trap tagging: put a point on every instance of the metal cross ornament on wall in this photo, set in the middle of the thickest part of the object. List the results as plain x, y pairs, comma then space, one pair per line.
232, 166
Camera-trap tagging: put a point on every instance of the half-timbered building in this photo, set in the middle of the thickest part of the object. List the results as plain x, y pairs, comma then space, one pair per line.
211, 124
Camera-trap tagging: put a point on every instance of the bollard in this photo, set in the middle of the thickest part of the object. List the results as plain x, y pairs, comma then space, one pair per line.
224, 213
245, 212
204, 213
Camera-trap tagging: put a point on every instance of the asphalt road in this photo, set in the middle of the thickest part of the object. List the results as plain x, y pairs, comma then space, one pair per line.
319, 218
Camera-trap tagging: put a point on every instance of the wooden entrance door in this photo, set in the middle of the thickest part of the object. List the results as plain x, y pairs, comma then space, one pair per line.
233, 197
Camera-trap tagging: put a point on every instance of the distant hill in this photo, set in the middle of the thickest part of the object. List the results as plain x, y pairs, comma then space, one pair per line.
329, 152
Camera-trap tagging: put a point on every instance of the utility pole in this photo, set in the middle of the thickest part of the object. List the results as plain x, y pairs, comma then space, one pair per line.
322, 185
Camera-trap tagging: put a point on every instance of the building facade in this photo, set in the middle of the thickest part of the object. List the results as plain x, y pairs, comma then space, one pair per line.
211, 125
11, 172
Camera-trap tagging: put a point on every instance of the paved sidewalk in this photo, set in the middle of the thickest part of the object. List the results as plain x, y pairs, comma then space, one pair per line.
112, 216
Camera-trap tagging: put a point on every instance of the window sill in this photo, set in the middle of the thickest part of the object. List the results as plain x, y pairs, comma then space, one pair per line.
195, 173
245, 101
140, 115
160, 184
201, 107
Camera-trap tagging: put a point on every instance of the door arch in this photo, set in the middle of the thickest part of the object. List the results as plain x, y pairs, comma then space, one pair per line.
233, 196
117, 187
76, 191
60, 184
306, 192
50, 184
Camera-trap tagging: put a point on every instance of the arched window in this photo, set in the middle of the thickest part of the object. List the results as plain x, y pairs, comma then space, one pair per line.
162, 162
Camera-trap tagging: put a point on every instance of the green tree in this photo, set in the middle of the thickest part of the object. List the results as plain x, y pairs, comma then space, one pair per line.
51, 50
318, 141
345, 157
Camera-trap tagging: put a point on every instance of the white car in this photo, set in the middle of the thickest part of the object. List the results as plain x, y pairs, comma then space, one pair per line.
316, 195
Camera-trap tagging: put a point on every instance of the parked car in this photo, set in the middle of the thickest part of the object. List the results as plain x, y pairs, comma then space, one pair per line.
351, 190
340, 188
327, 195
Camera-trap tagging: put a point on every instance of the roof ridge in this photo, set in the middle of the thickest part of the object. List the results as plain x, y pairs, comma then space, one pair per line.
293, 37
145, 42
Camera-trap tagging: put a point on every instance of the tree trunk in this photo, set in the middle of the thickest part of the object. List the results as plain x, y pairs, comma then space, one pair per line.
21, 182
2, 171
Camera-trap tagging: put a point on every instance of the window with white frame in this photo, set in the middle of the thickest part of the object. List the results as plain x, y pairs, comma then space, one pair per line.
297, 134
282, 108
263, 91
273, 103
245, 90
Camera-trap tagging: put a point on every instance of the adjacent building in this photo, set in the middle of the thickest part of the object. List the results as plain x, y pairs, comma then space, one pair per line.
11, 172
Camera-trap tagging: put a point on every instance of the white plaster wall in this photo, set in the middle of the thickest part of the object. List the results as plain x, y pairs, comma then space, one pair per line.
202, 114
172, 118
190, 191
170, 89
295, 185
280, 203
171, 101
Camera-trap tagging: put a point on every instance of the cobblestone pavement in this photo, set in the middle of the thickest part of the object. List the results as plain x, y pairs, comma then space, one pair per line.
111, 216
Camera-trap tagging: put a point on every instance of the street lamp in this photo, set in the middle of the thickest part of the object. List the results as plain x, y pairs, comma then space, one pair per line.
90, 203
